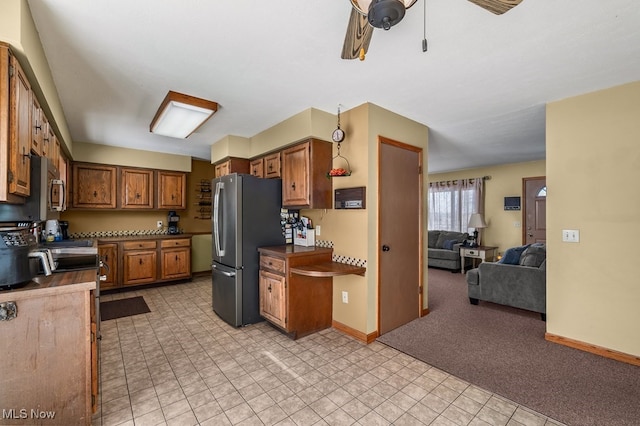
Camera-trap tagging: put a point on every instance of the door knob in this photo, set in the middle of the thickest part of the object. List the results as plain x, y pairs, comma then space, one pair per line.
385, 247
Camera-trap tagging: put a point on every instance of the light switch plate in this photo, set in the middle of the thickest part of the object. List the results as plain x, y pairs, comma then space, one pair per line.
571, 235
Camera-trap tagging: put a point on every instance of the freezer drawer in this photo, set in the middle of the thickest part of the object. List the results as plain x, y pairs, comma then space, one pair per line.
227, 293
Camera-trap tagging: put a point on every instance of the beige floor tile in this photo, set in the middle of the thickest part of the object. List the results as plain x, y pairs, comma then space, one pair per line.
181, 365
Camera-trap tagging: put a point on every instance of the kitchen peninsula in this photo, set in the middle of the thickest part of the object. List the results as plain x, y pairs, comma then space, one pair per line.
296, 287
47, 370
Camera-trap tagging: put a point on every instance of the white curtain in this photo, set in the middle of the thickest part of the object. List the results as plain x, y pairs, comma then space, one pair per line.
451, 203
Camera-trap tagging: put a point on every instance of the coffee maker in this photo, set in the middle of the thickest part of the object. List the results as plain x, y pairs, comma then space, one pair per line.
172, 221
64, 229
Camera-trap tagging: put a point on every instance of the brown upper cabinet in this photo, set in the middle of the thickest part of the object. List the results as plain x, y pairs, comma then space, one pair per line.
272, 165
136, 189
16, 105
37, 126
232, 165
304, 175
94, 186
103, 186
256, 167
172, 190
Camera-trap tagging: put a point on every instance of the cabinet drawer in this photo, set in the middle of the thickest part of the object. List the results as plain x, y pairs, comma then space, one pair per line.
472, 253
139, 245
273, 263
181, 242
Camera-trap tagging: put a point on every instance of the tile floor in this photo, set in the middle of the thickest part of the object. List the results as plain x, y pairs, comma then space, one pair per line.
181, 365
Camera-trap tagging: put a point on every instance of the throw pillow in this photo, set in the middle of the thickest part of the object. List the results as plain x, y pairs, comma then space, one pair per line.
533, 256
450, 235
449, 244
512, 255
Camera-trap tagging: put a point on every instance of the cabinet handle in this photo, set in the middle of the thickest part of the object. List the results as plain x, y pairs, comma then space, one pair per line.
270, 167
137, 195
269, 288
37, 127
176, 257
95, 194
140, 260
293, 186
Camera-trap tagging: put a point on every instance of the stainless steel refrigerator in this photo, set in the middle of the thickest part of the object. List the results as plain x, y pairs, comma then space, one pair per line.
245, 216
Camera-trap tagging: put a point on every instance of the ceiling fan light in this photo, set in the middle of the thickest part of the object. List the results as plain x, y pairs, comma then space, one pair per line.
362, 6
385, 13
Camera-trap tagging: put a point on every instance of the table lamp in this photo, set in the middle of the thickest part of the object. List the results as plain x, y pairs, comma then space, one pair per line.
476, 222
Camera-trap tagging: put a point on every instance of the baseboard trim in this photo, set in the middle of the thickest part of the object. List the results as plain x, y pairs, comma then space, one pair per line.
425, 312
594, 349
358, 335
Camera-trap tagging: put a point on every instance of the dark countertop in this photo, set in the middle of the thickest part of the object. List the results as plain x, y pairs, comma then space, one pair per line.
291, 249
57, 283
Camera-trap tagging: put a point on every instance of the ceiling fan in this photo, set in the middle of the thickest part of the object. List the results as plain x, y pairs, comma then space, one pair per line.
367, 14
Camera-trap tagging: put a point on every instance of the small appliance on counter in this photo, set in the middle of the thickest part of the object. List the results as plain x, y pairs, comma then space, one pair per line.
52, 231
172, 220
64, 229
16, 244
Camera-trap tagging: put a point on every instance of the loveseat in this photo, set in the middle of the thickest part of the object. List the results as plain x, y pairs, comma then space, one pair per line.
444, 249
518, 280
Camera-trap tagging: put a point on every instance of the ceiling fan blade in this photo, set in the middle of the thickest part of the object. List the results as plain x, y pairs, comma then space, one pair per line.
497, 6
358, 35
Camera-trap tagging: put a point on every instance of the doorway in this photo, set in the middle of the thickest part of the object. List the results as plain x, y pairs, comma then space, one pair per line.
400, 234
534, 209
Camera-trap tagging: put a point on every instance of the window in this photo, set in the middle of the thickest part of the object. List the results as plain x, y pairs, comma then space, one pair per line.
452, 203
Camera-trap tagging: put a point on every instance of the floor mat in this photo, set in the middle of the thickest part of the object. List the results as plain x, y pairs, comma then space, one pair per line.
123, 308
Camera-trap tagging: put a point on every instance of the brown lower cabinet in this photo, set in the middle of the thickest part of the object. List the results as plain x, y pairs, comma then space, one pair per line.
139, 261
50, 362
297, 304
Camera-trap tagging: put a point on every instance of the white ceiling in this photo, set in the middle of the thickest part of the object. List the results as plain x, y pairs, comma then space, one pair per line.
481, 87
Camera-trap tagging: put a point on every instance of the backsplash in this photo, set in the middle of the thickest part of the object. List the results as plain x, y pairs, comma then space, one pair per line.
354, 261
104, 234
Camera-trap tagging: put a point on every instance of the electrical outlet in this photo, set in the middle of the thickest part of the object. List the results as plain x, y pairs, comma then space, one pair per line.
159, 224
345, 297
317, 230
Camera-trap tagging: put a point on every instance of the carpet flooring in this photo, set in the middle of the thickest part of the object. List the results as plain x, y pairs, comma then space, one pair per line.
503, 350
123, 308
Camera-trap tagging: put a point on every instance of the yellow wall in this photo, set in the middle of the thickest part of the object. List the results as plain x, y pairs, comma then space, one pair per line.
593, 170
355, 232
504, 227
105, 154
18, 29
308, 123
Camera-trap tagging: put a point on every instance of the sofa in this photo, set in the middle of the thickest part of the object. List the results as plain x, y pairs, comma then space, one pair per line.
444, 249
517, 280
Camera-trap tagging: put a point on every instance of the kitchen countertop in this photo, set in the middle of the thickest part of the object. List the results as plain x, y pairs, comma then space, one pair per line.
57, 283
324, 269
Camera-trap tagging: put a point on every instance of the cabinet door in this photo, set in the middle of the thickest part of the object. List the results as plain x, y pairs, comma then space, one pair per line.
172, 190
94, 186
295, 176
20, 133
273, 302
222, 169
136, 189
256, 168
175, 263
37, 127
139, 266
272, 165
109, 257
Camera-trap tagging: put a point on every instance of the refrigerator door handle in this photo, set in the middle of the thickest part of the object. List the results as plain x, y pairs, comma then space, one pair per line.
216, 218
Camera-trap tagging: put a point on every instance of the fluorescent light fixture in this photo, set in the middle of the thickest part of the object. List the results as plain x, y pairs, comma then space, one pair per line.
180, 115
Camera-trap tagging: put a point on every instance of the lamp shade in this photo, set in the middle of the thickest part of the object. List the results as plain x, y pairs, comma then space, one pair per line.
476, 221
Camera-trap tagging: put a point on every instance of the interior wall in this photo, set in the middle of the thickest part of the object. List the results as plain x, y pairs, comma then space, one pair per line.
348, 229
105, 154
18, 29
231, 146
593, 169
504, 228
